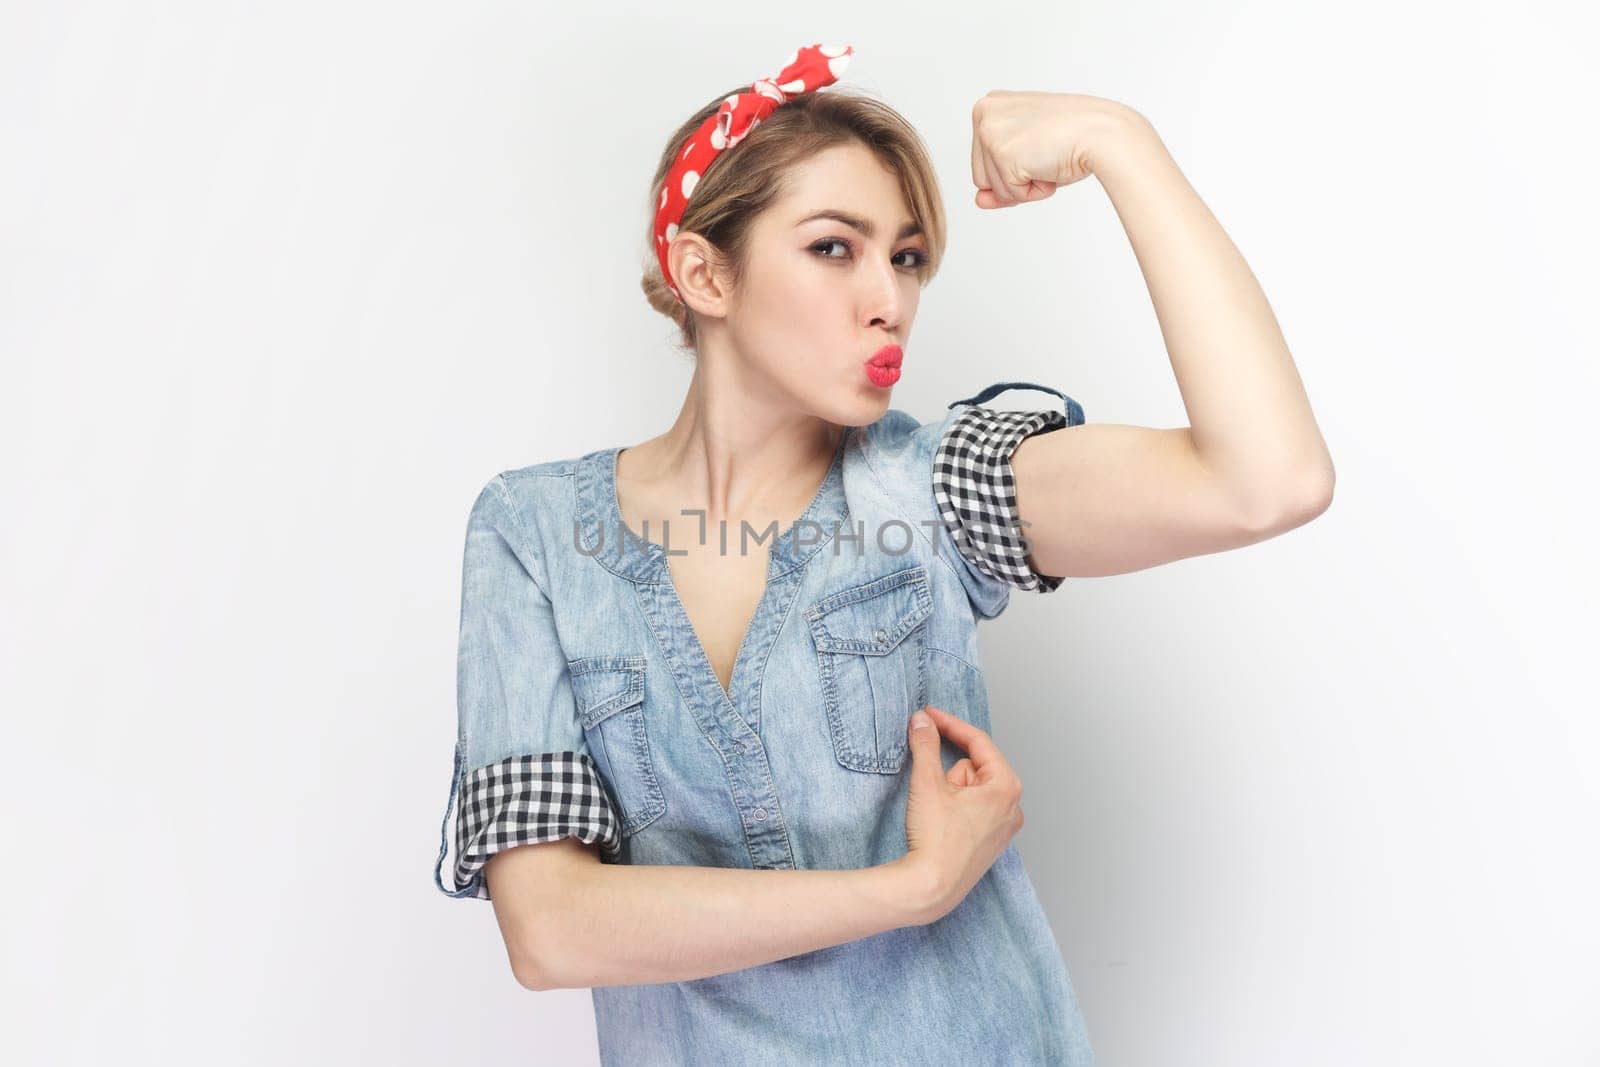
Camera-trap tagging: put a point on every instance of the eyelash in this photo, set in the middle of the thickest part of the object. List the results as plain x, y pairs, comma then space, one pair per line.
921, 257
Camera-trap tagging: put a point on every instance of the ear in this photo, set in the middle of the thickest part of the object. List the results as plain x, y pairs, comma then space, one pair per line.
696, 273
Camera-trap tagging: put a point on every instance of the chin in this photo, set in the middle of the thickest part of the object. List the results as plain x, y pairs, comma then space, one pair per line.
859, 403
867, 406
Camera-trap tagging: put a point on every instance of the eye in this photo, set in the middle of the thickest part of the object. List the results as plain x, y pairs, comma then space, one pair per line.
831, 241
918, 261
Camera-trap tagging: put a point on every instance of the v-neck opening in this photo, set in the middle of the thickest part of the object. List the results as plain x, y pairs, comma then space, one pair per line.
782, 556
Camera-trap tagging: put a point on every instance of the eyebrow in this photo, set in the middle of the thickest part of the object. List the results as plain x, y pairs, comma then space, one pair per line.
856, 222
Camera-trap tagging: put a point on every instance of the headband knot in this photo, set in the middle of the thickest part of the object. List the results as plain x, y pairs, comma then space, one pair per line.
807, 69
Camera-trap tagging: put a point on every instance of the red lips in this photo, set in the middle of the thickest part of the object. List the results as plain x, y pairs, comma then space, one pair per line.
883, 369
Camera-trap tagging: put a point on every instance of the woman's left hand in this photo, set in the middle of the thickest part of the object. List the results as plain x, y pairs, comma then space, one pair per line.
1026, 144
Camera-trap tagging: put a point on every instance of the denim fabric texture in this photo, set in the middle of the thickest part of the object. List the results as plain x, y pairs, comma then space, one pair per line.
575, 642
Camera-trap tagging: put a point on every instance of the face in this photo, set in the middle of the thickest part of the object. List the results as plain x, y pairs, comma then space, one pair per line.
821, 298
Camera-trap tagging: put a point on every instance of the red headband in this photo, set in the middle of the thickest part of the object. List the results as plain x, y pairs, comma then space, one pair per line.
808, 69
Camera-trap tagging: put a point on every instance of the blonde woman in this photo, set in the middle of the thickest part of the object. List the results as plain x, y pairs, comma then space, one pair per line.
723, 754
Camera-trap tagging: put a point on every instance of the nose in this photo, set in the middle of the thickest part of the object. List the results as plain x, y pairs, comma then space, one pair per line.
881, 299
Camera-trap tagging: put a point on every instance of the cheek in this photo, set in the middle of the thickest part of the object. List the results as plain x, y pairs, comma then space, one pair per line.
806, 348
801, 309
800, 299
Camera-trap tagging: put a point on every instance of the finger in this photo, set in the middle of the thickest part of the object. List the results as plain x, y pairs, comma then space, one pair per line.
925, 763
986, 197
978, 744
992, 180
1012, 191
979, 178
1038, 190
962, 773
982, 176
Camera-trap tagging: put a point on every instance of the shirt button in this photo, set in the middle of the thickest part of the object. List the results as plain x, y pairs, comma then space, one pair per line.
761, 814
880, 636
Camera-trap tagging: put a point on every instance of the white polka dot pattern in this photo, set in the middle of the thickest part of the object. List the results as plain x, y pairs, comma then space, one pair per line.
807, 70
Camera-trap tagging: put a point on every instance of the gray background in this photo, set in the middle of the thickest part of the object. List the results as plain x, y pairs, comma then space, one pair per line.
284, 284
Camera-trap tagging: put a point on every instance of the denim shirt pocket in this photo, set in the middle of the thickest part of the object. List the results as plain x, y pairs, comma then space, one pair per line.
871, 651
609, 691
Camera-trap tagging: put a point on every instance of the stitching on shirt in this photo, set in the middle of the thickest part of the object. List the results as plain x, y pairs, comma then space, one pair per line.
783, 828
958, 659
510, 504
647, 615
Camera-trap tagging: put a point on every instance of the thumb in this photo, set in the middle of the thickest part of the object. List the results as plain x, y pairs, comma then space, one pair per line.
926, 769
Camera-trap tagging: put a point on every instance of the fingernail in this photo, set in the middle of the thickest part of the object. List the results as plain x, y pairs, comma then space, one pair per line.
920, 721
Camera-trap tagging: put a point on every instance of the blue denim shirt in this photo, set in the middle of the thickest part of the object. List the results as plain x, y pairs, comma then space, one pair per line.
574, 641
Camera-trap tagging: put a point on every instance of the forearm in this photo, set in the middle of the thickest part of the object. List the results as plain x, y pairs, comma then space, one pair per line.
1250, 419
624, 924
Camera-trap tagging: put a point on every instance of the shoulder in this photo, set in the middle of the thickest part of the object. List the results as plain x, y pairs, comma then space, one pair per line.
533, 498
957, 467
898, 451
543, 477
900, 437
540, 476
892, 459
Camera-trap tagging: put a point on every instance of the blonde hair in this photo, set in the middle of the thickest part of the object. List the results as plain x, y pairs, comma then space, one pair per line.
747, 178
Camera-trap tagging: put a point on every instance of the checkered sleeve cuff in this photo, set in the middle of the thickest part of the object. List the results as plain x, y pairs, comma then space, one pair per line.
977, 495
524, 800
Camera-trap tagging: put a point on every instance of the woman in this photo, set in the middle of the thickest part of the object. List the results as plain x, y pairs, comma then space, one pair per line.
690, 775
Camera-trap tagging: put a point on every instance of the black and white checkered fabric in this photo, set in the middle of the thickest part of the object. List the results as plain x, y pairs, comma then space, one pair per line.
524, 800
977, 495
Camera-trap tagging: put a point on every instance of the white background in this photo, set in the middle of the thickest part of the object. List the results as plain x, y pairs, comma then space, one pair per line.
283, 284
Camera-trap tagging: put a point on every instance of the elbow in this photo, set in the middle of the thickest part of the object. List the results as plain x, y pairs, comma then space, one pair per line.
529, 978
534, 974
526, 968
1316, 493
536, 916
1284, 509
532, 979
533, 962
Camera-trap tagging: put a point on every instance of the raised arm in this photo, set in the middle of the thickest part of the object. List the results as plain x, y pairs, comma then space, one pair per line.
1102, 499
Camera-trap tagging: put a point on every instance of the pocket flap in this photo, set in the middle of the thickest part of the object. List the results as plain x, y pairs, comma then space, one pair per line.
604, 685
871, 619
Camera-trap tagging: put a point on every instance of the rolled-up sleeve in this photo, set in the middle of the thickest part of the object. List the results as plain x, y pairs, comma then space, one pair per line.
976, 492
522, 770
